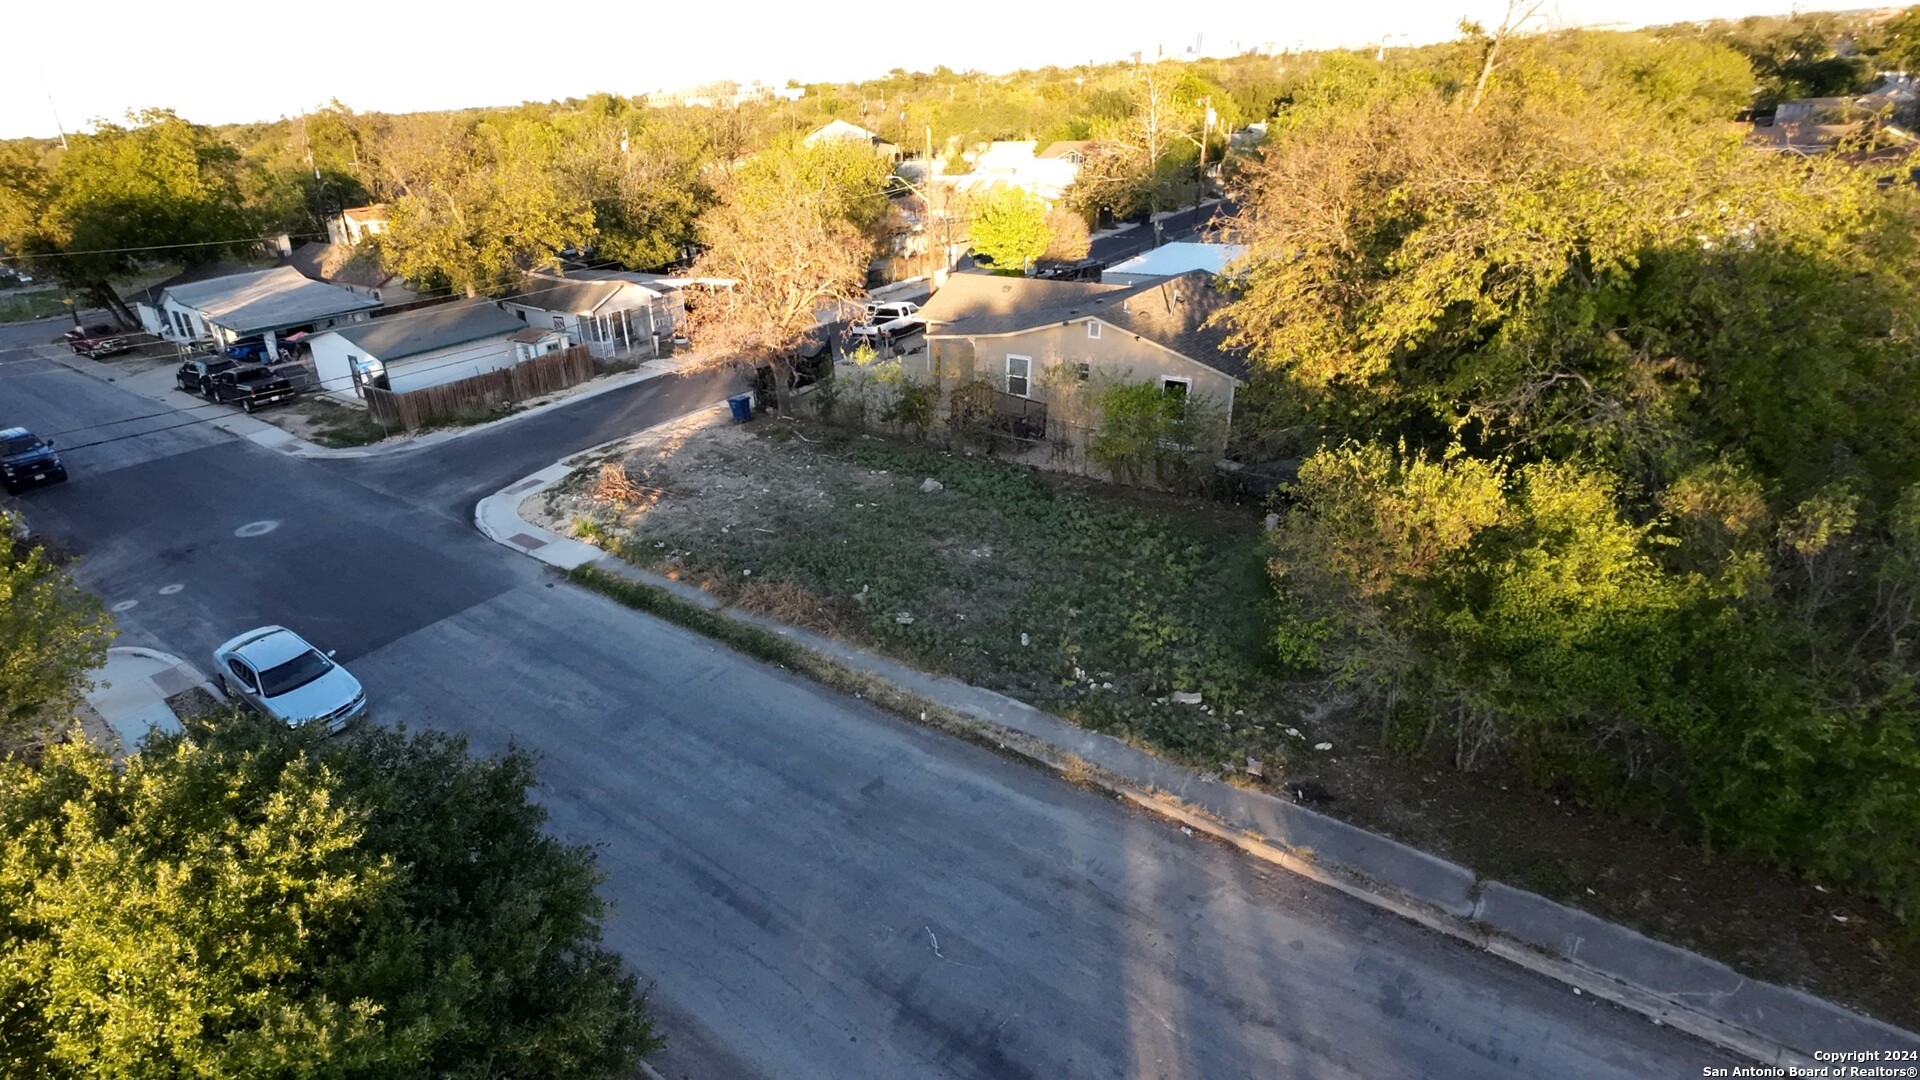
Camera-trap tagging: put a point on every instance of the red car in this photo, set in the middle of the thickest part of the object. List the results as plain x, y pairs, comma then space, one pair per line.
80, 337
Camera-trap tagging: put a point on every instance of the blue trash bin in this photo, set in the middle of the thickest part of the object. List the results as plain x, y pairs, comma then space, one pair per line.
742, 406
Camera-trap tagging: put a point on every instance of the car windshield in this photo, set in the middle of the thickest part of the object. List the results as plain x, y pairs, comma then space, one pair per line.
294, 674
19, 444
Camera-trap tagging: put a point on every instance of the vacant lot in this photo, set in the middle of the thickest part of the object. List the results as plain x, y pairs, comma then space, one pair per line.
1101, 604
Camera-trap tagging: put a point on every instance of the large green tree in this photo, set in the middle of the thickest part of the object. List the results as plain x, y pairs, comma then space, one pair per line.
156, 188
51, 635
1010, 227
487, 201
794, 230
1617, 487
263, 902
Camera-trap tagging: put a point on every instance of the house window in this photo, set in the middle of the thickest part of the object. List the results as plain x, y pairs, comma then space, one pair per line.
1175, 388
1093, 329
522, 312
559, 322
1083, 371
1018, 369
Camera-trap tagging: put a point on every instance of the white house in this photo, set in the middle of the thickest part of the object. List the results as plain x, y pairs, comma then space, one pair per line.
424, 348
147, 305
264, 304
1015, 164
611, 312
356, 223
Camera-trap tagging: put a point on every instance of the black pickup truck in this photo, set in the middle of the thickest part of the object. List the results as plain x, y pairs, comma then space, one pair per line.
196, 375
252, 386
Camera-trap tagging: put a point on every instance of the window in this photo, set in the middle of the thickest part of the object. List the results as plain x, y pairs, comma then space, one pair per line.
1018, 369
241, 672
559, 322
1083, 371
294, 674
1176, 388
1093, 329
522, 312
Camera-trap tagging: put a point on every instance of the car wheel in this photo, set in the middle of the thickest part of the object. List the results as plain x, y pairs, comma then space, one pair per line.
247, 405
226, 690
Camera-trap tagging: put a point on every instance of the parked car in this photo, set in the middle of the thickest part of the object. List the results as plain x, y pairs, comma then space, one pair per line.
79, 337
1063, 270
886, 321
26, 460
277, 673
251, 386
98, 348
195, 375
886, 311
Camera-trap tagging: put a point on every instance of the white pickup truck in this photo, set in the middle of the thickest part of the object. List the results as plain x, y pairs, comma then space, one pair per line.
887, 321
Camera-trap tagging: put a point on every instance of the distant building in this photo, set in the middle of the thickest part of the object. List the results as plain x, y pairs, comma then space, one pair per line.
842, 131
1169, 260
1016, 165
355, 268
356, 223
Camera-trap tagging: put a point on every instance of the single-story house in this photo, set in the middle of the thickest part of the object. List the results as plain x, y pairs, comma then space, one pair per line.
146, 303
611, 312
264, 304
1168, 260
842, 131
1035, 341
1073, 150
427, 347
1014, 164
356, 223
354, 268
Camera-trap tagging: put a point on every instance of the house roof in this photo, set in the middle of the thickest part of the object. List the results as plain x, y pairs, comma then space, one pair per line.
266, 300
1069, 146
533, 335
840, 129
397, 337
583, 294
374, 212
150, 295
1169, 311
339, 264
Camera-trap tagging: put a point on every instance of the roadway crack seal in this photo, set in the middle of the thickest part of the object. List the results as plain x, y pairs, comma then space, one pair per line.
1170, 791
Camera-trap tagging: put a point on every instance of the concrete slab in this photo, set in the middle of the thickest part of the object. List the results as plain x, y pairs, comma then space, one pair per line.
133, 727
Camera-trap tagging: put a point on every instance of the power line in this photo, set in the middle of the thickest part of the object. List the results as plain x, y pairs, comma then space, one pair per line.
155, 247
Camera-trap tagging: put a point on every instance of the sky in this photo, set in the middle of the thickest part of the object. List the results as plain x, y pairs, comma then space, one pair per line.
217, 61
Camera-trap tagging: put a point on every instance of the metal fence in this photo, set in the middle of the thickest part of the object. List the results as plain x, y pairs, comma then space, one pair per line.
415, 409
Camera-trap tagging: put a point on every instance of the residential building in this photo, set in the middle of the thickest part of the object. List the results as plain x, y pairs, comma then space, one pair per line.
417, 349
356, 268
356, 223
146, 303
611, 312
1038, 344
269, 305
1015, 164
842, 131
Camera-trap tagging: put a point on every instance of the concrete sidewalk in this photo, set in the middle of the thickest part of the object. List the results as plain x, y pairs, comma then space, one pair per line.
130, 695
1772, 1024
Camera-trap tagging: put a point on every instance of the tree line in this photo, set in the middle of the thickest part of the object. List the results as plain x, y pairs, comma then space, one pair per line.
1611, 479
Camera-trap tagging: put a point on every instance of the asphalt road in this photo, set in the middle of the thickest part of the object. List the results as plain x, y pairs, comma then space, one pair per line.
814, 889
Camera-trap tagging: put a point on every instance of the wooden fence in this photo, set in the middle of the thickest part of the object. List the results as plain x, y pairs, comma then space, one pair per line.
481, 393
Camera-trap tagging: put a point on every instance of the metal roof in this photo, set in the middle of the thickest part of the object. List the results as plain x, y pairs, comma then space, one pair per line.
397, 337
266, 300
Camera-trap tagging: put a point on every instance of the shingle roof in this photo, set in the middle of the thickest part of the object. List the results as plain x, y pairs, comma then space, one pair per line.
266, 300
1065, 147
397, 337
1170, 311
338, 264
572, 296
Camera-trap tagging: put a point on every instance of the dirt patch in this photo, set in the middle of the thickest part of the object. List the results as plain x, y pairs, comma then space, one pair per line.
1111, 607
193, 702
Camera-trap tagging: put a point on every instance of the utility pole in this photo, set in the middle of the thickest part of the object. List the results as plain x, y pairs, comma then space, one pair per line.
1206, 129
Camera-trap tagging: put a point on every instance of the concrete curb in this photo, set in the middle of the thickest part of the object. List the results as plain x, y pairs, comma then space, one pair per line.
1772, 1024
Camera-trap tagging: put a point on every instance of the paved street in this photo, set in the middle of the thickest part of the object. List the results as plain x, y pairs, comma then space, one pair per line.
815, 889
